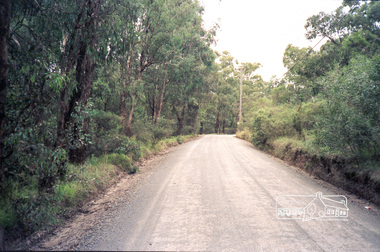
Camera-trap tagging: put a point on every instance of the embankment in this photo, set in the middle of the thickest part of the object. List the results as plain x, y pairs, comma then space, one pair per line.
362, 179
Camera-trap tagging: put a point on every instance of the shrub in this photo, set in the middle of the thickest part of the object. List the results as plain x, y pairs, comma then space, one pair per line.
160, 133
104, 131
350, 124
121, 160
245, 134
273, 122
180, 140
129, 146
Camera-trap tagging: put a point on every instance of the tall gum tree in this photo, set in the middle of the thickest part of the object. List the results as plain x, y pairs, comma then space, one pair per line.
84, 41
164, 29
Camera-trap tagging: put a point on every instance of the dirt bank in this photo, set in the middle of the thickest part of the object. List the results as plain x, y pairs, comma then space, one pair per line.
342, 173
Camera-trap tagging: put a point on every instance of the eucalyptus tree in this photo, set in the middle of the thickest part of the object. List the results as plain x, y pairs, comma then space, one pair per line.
54, 48
187, 84
34, 78
150, 33
246, 74
225, 90
353, 27
164, 32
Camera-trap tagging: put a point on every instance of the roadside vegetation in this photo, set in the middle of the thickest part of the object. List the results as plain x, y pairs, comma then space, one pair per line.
87, 89
35, 210
324, 114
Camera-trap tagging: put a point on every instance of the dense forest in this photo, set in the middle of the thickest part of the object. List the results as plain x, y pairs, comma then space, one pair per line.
90, 85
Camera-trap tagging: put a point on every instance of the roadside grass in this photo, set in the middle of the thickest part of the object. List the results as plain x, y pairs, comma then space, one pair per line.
31, 210
244, 134
283, 145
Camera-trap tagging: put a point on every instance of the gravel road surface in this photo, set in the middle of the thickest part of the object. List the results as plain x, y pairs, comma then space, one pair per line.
218, 193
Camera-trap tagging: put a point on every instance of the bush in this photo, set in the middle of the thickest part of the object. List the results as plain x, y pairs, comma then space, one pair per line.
245, 135
105, 122
120, 160
104, 130
37, 213
160, 133
272, 122
230, 131
350, 124
129, 146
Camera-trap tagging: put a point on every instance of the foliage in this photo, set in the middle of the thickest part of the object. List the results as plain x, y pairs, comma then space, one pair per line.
351, 121
327, 104
82, 85
245, 135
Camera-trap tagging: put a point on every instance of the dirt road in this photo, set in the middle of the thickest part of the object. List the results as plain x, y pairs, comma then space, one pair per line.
219, 193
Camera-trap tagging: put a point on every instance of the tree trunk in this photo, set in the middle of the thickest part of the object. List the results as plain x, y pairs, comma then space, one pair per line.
123, 111
130, 117
4, 33
181, 120
65, 109
134, 97
127, 75
217, 123
195, 125
241, 97
224, 126
201, 129
162, 96
155, 102
85, 70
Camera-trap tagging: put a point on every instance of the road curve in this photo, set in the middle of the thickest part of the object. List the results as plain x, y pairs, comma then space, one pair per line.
219, 193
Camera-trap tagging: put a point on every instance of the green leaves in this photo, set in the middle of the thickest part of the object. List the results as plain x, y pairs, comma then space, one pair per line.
351, 123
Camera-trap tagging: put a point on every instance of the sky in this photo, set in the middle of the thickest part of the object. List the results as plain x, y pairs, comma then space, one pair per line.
260, 30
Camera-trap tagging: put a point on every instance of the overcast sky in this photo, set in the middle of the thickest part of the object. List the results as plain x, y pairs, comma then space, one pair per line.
260, 30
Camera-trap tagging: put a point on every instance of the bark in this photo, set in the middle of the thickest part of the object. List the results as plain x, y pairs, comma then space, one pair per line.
4, 33
64, 114
162, 97
84, 76
155, 103
84, 70
124, 94
181, 120
217, 123
130, 117
142, 67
